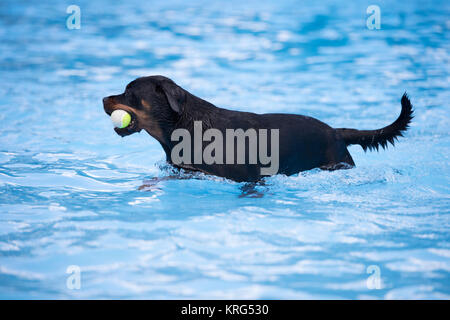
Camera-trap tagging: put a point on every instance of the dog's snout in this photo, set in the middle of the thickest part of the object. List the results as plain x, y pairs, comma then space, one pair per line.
107, 104
106, 100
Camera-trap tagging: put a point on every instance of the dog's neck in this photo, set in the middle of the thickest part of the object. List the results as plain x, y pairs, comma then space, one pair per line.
199, 110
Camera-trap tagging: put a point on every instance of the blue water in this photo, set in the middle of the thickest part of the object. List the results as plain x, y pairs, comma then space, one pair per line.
70, 186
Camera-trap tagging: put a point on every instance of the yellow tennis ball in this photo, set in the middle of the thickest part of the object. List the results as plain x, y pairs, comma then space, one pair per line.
120, 118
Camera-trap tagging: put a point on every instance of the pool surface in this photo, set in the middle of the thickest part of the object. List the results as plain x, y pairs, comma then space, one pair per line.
70, 187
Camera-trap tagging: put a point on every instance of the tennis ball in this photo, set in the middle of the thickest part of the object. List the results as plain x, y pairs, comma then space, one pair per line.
120, 118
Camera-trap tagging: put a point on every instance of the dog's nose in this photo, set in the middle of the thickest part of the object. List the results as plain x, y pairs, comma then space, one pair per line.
107, 105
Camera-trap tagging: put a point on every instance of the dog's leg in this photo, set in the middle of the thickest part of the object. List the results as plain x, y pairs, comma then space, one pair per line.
249, 190
337, 166
152, 183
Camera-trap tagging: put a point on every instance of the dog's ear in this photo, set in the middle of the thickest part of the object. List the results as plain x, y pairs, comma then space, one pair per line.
175, 96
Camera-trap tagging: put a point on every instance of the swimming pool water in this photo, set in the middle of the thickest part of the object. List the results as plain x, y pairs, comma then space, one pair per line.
70, 187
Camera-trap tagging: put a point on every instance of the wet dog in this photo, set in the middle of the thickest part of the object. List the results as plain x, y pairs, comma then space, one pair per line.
160, 107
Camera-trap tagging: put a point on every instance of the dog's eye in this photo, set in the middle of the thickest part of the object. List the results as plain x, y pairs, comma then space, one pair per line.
134, 101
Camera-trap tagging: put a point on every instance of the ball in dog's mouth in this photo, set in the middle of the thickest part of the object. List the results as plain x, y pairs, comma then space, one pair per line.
120, 118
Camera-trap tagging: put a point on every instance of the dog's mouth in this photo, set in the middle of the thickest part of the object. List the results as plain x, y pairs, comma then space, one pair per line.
132, 127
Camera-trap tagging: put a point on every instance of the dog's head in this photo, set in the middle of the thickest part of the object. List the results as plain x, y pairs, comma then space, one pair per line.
155, 104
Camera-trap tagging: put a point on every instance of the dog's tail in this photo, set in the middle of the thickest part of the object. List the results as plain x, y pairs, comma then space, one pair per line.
373, 139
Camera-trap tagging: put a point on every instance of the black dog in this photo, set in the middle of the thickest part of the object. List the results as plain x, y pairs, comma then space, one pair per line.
159, 106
